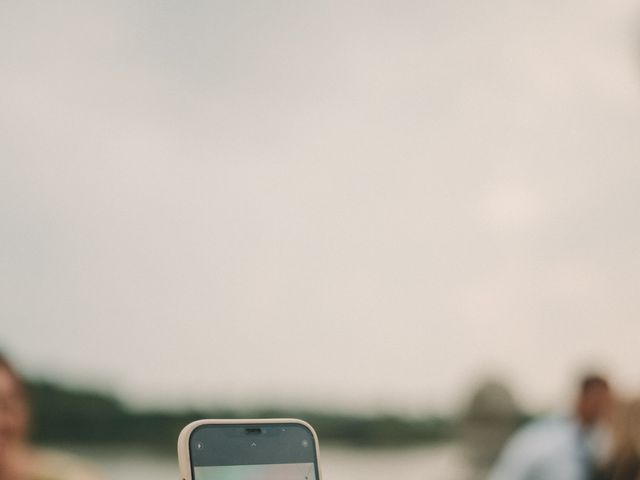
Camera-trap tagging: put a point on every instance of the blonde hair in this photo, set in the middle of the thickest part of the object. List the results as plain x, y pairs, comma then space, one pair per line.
626, 436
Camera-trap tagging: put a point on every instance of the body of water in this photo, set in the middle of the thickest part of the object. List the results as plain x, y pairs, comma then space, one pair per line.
443, 462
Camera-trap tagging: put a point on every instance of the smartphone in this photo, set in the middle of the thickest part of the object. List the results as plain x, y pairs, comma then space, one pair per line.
273, 449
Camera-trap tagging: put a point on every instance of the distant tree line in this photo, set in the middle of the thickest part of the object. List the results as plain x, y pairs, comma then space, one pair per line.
64, 415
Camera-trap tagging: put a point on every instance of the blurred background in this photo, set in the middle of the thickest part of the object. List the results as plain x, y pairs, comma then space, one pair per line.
413, 224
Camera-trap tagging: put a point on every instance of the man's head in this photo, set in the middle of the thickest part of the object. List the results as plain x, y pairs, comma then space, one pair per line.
594, 399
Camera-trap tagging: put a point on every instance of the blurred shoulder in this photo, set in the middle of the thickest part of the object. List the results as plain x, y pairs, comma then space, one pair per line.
543, 434
55, 465
549, 425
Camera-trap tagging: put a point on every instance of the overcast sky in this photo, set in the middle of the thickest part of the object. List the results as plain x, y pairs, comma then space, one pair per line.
348, 204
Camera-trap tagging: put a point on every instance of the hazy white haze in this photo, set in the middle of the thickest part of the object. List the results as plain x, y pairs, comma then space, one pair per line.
347, 204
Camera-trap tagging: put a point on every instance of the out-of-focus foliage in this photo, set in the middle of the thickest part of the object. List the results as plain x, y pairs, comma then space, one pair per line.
63, 415
491, 416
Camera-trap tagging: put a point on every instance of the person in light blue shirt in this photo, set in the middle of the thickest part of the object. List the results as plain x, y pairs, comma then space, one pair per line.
560, 448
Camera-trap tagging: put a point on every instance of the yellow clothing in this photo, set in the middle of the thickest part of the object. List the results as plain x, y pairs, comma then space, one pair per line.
54, 465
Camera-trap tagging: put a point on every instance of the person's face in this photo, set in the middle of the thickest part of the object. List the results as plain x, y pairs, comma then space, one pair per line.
595, 404
13, 413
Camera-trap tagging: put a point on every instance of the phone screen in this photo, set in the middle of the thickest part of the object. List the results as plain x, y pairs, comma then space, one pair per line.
253, 452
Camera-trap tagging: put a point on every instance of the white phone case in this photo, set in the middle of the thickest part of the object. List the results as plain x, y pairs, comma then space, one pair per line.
184, 460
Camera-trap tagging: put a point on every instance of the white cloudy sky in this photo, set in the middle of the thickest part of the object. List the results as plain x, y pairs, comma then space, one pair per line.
355, 204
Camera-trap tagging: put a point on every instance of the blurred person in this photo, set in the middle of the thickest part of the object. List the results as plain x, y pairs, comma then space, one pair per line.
18, 459
564, 447
624, 463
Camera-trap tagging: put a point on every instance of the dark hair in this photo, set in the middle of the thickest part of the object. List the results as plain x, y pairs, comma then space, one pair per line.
591, 381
